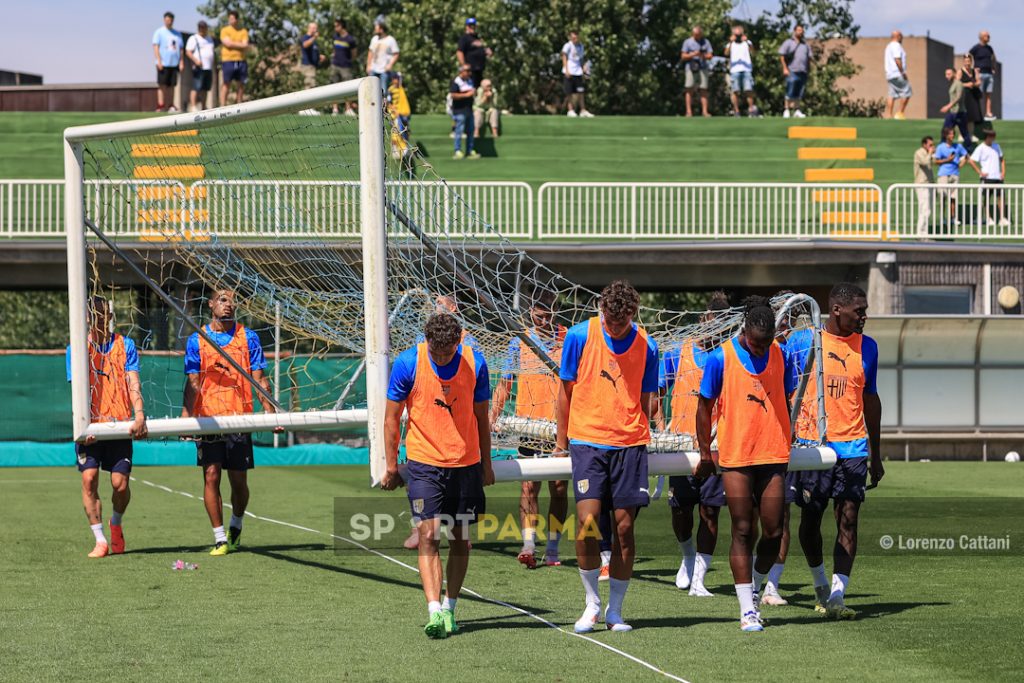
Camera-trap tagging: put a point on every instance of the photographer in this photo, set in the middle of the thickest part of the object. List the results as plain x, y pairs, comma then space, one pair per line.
696, 55
740, 52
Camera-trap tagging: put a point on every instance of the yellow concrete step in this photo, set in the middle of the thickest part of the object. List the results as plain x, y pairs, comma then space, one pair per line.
164, 151
838, 175
181, 134
821, 133
860, 234
157, 192
852, 217
172, 216
837, 196
170, 172
831, 153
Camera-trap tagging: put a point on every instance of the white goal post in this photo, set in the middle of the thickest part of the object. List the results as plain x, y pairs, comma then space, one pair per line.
371, 178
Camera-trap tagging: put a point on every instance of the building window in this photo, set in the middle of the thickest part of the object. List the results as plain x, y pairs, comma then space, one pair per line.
938, 300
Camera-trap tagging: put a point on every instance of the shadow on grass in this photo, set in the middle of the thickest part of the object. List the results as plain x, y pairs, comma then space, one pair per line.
170, 550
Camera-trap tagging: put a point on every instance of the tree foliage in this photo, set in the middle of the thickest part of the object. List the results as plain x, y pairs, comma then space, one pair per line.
33, 320
633, 47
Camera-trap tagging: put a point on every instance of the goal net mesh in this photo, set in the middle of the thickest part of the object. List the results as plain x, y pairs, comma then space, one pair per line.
269, 208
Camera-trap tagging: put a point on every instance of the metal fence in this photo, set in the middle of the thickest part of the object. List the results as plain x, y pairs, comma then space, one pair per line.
577, 211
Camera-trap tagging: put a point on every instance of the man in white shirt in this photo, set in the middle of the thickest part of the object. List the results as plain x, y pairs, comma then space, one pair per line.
574, 71
896, 73
990, 164
740, 52
381, 55
200, 49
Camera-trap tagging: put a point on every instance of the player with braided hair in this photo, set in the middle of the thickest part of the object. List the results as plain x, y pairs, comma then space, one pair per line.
750, 376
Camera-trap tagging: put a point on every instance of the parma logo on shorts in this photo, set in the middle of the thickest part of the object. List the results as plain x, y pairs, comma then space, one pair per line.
82, 457
583, 485
417, 506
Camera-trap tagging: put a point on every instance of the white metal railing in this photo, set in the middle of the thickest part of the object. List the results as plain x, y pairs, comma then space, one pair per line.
584, 211
708, 210
948, 211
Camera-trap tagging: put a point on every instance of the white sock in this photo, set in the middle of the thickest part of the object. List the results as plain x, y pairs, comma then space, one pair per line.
758, 579
606, 558
687, 548
433, 606
818, 574
115, 518
700, 568
617, 593
590, 579
236, 522
745, 592
775, 576
529, 537
97, 531
449, 603
839, 584
219, 536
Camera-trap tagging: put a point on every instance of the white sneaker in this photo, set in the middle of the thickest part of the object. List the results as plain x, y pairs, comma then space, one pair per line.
990, 223
192, 109
350, 112
751, 622
773, 599
1004, 222
799, 114
172, 110
586, 623
685, 572
787, 113
571, 114
615, 622
697, 590
586, 114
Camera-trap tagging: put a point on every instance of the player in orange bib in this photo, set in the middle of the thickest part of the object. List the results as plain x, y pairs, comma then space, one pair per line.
750, 376
115, 394
443, 384
536, 395
854, 413
609, 376
214, 387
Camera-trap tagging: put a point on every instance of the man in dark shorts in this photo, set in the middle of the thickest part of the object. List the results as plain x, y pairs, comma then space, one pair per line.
234, 42
536, 395
215, 387
167, 47
609, 374
473, 51
575, 70
345, 52
443, 383
115, 392
854, 413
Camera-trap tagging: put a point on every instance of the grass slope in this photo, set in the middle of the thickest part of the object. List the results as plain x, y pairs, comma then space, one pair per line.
292, 608
537, 149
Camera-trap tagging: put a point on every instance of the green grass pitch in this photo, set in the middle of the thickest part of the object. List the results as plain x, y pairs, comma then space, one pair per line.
291, 607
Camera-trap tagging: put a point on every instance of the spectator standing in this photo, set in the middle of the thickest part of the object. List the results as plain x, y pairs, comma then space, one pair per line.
167, 46
345, 54
950, 156
896, 74
985, 61
987, 159
970, 78
473, 51
200, 49
310, 55
924, 176
796, 57
956, 116
696, 55
486, 106
740, 52
574, 71
463, 92
234, 42
382, 54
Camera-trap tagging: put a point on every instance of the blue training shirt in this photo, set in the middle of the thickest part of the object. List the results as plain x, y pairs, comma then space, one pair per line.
131, 355
403, 374
193, 362
714, 368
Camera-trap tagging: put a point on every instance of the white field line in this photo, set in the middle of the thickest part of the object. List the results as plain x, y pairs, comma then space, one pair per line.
520, 610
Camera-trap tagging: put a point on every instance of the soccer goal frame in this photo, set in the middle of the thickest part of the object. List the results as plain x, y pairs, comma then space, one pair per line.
374, 245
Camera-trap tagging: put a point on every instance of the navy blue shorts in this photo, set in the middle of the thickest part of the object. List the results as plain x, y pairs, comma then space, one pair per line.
792, 486
847, 480
795, 84
230, 451
235, 71
686, 491
111, 456
202, 79
455, 494
618, 478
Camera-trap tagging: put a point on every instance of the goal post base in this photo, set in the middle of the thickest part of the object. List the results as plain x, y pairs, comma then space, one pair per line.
231, 424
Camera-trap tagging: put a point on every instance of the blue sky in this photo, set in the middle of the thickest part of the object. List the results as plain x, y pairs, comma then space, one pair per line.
111, 41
